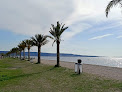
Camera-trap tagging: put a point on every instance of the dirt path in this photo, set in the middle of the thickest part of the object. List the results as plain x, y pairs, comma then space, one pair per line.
108, 72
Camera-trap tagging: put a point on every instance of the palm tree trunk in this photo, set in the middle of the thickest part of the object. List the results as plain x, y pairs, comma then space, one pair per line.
28, 54
20, 55
39, 54
58, 54
24, 54
16, 54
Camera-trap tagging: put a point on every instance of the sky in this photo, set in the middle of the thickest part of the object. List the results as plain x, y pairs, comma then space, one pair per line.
89, 31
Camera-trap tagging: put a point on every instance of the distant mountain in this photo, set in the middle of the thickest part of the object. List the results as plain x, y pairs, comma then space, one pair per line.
52, 54
3, 52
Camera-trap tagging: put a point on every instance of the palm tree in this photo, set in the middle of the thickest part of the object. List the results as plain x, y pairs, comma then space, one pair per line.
8, 54
28, 45
111, 4
13, 51
39, 40
20, 49
56, 32
16, 51
23, 46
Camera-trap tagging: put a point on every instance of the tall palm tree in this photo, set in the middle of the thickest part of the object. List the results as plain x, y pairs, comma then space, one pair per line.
28, 45
23, 46
16, 51
13, 51
20, 49
39, 40
56, 32
8, 54
111, 4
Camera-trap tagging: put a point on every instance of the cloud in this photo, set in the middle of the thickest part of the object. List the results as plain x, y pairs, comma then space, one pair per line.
119, 37
74, 30
100, 37
30, 17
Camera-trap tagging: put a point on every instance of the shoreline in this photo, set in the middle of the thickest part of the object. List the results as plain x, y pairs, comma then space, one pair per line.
103, 71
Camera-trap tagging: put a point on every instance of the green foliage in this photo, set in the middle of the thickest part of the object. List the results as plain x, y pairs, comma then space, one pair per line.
56, 31
22, 45
39, 40
111, 4
28, 43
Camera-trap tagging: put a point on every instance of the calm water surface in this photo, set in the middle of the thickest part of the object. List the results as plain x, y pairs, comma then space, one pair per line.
103, 61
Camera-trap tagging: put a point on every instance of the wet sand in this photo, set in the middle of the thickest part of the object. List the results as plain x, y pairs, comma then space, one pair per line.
104, 71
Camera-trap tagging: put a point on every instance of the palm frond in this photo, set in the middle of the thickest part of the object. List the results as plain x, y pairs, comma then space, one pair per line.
111, 4
52, 32
53, 42
62, 30
44, 42
39, 40
28, 43
56, 31
47, 36
34, 41
53, 26
22, 45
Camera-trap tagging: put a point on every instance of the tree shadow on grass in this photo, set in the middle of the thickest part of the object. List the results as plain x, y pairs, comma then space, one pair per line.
53, 68
37, 63
5, 77
75, 75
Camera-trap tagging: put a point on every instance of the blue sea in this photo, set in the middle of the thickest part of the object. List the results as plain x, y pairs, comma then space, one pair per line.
94, 60
103, 61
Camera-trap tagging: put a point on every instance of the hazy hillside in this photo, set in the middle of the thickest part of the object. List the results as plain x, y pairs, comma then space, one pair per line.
52, 54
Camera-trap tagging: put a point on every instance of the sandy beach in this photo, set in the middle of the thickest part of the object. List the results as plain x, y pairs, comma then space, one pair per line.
104, 71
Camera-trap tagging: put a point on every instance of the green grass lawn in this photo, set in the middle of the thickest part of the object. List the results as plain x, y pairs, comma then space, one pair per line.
23, 76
